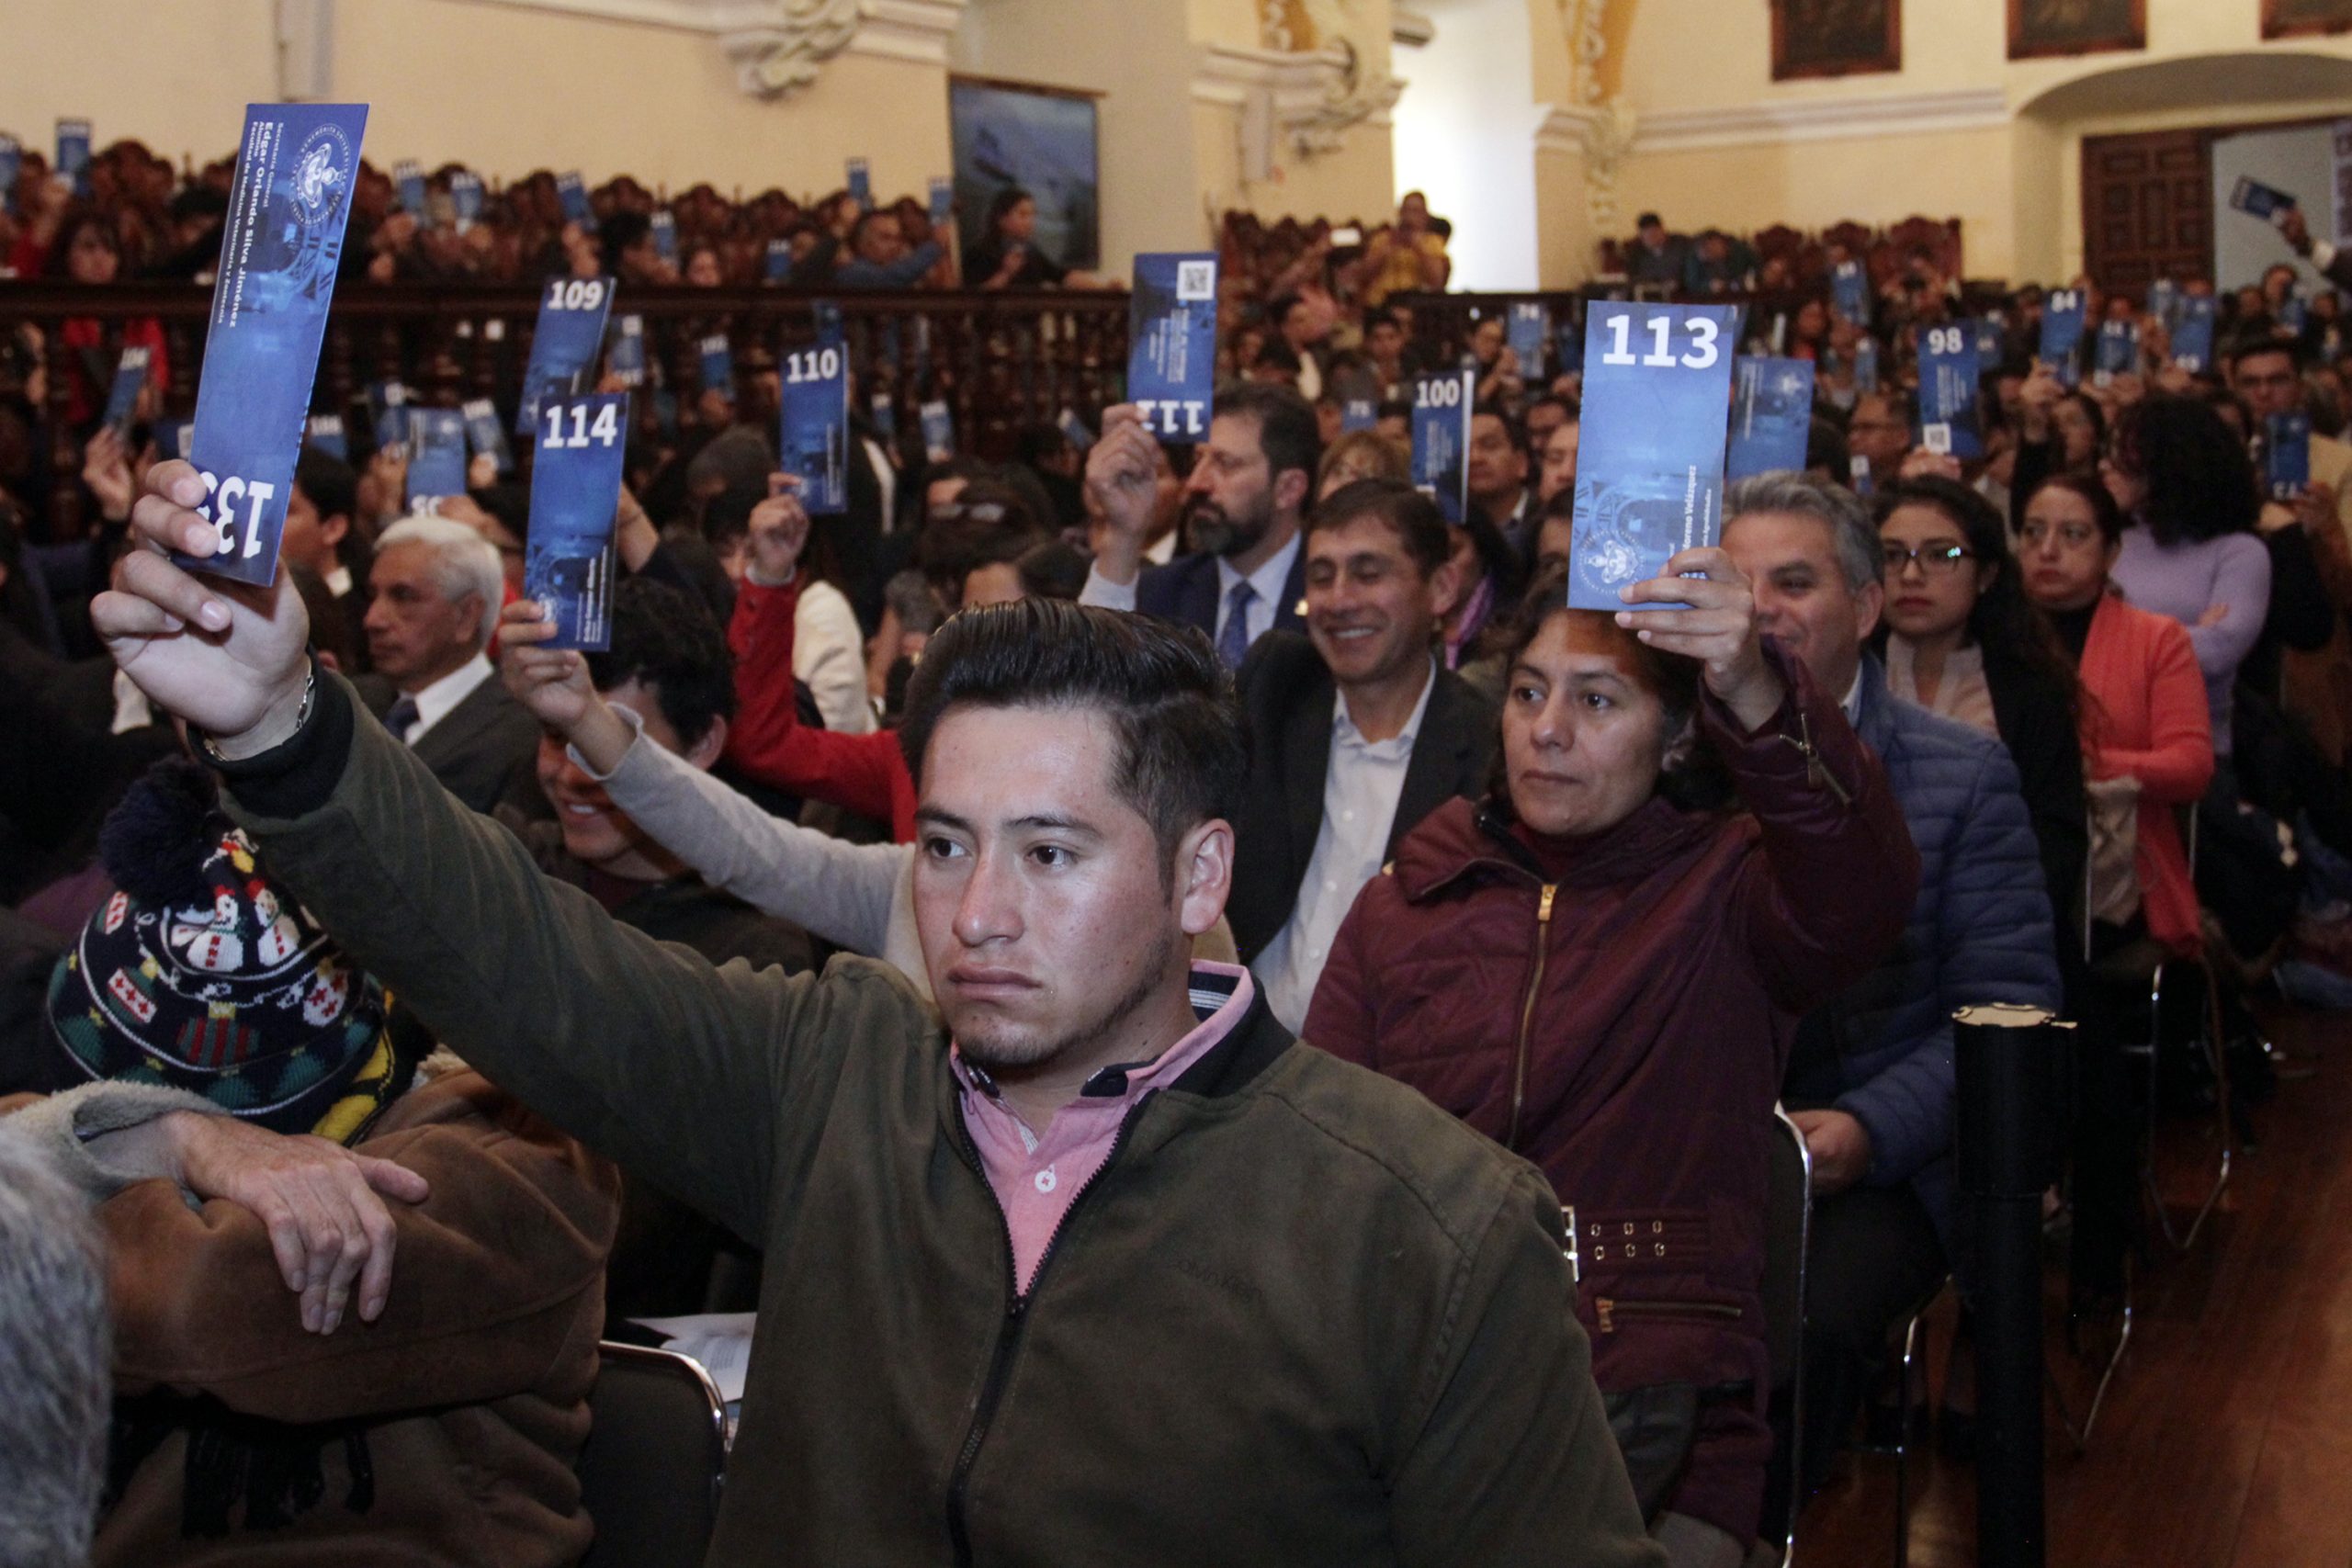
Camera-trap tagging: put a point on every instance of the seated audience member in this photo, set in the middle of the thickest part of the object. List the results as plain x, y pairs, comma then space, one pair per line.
1672, 943
1360, 454
1656, 256
880, 257
1356, 733
1252, 479
1961, 640
2188, 495
1075, 768
1869, 1079
435, 589
1557, 472
1542, 416
1406, 257
1497, 465
321, 531
1491, 578
54, 1345
347, 1310
1878, 436
1050, 569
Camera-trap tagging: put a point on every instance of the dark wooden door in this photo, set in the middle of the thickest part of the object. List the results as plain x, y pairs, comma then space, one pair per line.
2147, 208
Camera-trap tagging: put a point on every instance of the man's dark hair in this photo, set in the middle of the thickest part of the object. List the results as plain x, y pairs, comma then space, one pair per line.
1411, 515
1278, 309
663, 637
1825, 449
2200, 483
621, 232
1381, 316
1393, 408
2255, 345
1053, 569
1179, 757
1648, 220
329, 484
1287, 432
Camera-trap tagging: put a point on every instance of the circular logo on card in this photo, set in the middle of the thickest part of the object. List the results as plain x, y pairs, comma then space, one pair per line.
323, 171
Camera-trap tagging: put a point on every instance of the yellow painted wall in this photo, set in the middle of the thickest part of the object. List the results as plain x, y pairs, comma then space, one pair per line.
175, 76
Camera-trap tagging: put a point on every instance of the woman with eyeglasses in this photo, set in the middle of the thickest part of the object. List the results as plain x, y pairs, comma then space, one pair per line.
1961, 639
2186, 491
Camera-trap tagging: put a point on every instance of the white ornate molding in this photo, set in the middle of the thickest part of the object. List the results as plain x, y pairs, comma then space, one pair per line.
1603, 126
1316, 97
1410, 28
780, 47
1821, 119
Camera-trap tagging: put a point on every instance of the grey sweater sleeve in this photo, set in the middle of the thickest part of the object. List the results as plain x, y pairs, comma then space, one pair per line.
839, 891
64, 1128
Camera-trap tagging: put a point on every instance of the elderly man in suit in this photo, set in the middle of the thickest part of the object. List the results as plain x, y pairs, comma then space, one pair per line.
1356, 732
1252, 480
435, 589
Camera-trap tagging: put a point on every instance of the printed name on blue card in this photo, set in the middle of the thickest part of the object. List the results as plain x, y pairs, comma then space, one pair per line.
2062, 333
2286, 455
813, 441
485, 433
567, 565
1171, 337
122, 397
1441, 413
1950, 422
565, 344
1771, 416
437, 465
287, 205
1650, 463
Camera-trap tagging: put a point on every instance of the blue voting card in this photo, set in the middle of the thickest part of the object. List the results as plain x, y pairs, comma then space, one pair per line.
437, 464
1530, 333
625, 356
938, 431
779, 263
884, 415
2164, 301
861, 184
665, 225
2294, 312
2250, 195
1866, 364
1992, 339
2062, 333
1650, 468
813, 440
1075, 432
565, 345
325, 433
122, 397
1771, 416
572, 192
943, 199
2116, 351
408, 177
567, 560
2192, 338
2286, 456
1358, 414
1949, 421
1171, 342
1849, 292
73, 153
12, 164
174, 438
484, 433
388, 414
716, 360
1442, 410
287, 203
465, 198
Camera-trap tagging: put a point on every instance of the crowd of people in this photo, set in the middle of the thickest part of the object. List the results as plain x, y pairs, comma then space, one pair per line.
1131, 913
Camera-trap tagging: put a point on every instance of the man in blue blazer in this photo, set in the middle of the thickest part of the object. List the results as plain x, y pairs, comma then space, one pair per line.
1252, 480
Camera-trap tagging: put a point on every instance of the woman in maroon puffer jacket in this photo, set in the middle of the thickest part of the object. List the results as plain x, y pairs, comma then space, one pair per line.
1602, 968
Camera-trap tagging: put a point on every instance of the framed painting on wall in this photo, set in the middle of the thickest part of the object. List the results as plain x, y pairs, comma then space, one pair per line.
2075, 26
2296, 18
1006, 134
1836, 37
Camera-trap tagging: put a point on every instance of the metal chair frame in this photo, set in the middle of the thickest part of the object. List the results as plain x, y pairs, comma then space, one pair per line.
670, 1363
1783, 1126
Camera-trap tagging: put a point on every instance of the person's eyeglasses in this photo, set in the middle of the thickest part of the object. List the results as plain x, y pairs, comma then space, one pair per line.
1933, 560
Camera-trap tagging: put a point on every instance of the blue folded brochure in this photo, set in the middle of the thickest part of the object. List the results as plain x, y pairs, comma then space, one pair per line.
1771, 416
565, 344
2062, 333
1950, 420
1441, 413
437, 464
568, 559
1171, 338
2286, 455
813, 392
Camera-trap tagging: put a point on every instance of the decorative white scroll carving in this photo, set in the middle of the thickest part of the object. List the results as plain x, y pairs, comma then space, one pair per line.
1606, 125
778, 60
1320, 67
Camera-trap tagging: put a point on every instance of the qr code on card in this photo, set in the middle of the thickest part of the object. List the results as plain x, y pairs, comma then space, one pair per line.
1937, 438
1195, 280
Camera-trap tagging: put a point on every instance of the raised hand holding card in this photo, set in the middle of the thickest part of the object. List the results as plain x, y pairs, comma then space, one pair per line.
1172, 334
122, 397
1442, 404
626, 359
575, 495
1650, 465
1950, 422
1528, 332
287, 205
938, 431
485, 435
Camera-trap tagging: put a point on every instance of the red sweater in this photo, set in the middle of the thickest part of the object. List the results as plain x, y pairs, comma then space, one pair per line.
865, 773
2144, 715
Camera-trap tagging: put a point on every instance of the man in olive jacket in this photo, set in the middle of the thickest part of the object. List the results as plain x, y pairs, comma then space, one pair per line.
1105, 1270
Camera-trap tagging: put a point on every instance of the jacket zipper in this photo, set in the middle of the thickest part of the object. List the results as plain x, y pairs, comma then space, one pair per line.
1016, 1309
1607, 1308
1527, 1010
1816, 770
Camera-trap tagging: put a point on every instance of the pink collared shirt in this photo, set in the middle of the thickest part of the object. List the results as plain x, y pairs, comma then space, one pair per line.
1037, 1179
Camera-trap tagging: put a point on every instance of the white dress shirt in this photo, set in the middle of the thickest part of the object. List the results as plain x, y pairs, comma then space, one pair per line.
1268, 582
1362, 785
434, 702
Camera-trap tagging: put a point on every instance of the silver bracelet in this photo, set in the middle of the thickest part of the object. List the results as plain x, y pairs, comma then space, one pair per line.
301, 717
